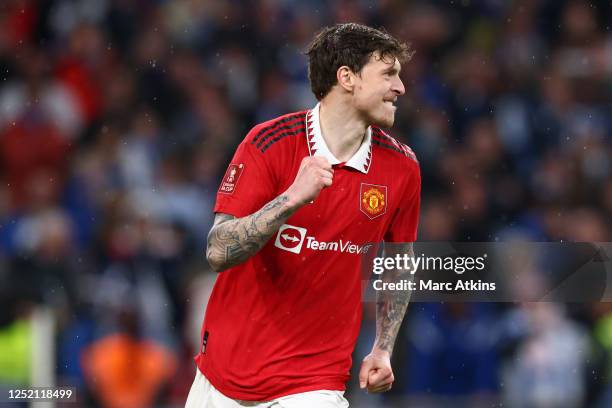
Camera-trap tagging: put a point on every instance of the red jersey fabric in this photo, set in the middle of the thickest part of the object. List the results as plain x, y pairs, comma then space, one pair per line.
286, 320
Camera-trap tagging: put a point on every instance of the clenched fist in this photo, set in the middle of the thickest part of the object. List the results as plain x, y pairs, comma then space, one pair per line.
315, 174
376, 374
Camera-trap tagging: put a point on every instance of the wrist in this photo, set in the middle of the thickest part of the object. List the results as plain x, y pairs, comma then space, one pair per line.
292, 202
376, 350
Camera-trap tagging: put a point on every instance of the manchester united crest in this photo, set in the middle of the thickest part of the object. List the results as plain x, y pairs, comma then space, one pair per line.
373, 200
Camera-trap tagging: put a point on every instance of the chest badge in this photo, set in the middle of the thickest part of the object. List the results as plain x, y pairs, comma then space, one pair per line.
373, 200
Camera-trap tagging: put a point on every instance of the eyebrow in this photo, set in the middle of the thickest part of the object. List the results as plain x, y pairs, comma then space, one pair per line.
392, 70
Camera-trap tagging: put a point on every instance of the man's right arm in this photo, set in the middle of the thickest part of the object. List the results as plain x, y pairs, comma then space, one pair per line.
232, 241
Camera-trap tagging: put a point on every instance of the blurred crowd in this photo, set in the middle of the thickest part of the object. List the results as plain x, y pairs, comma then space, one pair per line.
118, 119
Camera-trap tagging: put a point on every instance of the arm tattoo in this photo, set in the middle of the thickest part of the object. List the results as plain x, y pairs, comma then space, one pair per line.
232, 241
391, 305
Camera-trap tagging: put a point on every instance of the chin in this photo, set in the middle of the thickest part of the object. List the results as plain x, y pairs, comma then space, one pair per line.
385, 121
381, 117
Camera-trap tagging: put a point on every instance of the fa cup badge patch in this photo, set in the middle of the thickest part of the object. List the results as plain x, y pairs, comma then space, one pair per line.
231, 178
373, 200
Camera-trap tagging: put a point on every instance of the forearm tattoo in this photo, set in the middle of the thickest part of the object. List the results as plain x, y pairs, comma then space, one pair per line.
391, 306
232, 241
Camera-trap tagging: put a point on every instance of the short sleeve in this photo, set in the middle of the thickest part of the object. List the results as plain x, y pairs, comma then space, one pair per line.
405, 222
248, 183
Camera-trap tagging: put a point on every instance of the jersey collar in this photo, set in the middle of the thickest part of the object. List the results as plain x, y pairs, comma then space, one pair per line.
317, 147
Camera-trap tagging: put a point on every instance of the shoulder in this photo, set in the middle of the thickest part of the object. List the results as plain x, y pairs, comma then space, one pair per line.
266, 134
395, 149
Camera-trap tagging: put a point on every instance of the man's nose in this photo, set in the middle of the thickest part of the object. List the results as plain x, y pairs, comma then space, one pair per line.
398, 87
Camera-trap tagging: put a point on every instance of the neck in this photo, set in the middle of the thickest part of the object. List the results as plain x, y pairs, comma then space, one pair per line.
342, 128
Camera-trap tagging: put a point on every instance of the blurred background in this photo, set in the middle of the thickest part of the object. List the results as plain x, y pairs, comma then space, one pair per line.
118, 119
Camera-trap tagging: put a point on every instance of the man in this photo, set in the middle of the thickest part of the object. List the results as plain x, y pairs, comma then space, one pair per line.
301, 200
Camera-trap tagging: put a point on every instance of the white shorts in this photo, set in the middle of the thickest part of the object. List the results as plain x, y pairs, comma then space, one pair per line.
204, 395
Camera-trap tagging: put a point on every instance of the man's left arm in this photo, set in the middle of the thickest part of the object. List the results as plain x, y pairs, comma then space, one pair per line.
376, 373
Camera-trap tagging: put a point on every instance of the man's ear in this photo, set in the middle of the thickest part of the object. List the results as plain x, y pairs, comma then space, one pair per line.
346, 78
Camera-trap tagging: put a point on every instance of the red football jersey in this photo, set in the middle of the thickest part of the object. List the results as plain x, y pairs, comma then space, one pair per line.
286, 320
